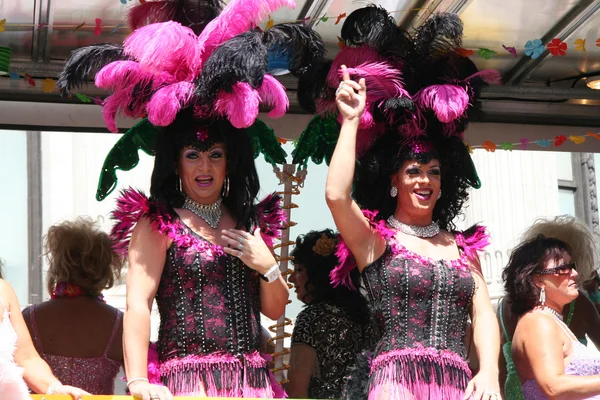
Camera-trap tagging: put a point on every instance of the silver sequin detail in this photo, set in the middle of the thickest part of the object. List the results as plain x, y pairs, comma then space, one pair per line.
210, 213
419, 231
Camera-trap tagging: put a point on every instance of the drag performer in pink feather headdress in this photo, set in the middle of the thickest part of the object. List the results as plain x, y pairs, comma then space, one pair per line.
199, 244
402, 105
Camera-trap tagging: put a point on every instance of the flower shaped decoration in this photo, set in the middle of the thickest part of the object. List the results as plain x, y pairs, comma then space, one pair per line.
324, 246
557, 47
534, 48
580, 45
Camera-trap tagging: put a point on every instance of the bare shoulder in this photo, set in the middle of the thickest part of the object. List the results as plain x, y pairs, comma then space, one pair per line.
7, 294
534, 325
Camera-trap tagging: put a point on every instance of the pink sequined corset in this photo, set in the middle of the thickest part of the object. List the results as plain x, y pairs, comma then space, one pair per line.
95, 375
583, 363
208, 302
418, 302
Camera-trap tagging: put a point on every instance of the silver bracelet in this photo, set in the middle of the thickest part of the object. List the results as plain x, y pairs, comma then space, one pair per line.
53, 386
136, 380
272, 274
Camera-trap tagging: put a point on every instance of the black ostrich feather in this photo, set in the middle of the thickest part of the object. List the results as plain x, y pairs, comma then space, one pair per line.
83, 61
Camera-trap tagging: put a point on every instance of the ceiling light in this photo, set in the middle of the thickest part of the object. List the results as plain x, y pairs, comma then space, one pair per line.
595, 84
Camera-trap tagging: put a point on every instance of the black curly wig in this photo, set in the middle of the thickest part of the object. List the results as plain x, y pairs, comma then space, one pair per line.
374, 171
525, 260
318, 283
243, 178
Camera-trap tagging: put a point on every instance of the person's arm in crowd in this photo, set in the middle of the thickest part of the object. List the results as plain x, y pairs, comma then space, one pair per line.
36, 372
540, 342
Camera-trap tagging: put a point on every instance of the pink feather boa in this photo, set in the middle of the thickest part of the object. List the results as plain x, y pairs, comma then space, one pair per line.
12, 385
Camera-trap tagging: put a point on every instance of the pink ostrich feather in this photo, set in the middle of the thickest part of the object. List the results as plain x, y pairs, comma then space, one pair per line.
117, 74
112, 107
383, 82
166, 46
240, 106
237, 17
490, 76
448, 102
272, 93
352, 57
168, 101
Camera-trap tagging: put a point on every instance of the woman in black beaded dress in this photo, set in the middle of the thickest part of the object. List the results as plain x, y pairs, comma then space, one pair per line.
333, 327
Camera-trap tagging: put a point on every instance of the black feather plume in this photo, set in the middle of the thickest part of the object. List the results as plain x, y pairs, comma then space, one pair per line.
242, 58
303, 44
439, 35
313, 86
194, 14
373, 26
83, 61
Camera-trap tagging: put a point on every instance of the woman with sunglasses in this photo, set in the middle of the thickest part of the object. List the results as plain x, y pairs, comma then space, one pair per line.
540, 279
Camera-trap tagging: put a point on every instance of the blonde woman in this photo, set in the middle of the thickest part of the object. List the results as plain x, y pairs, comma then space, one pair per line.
76, 332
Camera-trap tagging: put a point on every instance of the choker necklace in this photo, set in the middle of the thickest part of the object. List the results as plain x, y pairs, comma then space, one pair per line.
419, 231
552, 311
209, 213
69, 290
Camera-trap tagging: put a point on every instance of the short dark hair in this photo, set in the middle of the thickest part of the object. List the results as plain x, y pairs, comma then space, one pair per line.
241, 171
318, 283
525, 260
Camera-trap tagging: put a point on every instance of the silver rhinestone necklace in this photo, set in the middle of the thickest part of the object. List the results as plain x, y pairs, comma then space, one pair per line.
209, 213
553, 312
419, 231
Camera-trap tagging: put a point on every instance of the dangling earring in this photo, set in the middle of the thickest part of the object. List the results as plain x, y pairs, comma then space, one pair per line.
439, 194
394, 191
226, 187
180, 185
543, 296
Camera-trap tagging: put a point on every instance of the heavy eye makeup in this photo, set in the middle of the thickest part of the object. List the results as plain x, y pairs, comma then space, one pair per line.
193, 154
417, 171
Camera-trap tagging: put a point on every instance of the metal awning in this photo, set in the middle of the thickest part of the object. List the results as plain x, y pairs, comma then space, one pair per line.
547, 90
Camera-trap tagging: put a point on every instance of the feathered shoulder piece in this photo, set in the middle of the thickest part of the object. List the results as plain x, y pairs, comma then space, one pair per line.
133, 205
271, 218
473, 240
190, 54
341, 273
415, 83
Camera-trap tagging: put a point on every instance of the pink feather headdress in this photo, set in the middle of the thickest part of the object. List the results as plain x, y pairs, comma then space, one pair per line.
220, 70
415, 84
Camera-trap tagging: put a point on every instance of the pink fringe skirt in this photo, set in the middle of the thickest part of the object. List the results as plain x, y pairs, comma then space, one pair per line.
418, 374
221, 375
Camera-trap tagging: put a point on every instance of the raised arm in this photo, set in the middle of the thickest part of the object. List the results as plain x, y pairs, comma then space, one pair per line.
486, 338
364, 244
147, 255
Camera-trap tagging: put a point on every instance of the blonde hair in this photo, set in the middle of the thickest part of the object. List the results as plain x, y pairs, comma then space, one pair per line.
79, 253
576, 234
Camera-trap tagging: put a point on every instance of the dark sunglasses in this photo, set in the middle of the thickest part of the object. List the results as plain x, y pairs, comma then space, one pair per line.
563, 269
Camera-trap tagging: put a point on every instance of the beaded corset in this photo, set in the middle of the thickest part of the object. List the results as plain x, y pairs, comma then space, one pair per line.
421, 306
207, 303
419, 302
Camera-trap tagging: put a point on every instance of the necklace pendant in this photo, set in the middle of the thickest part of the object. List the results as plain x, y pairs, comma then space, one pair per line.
428, 231
209, 213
